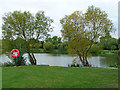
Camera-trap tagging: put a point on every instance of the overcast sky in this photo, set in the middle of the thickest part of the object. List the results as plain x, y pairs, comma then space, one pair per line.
57, 9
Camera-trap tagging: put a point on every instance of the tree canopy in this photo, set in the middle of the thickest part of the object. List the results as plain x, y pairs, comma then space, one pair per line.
108, 43
26, 26
82, 30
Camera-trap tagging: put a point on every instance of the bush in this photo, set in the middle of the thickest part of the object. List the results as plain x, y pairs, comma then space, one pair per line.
118, 52
75, 65
94, 49
8, 64
20, 60
113, 65
62, 48
113, 47
119, 46
48, 46
36, 45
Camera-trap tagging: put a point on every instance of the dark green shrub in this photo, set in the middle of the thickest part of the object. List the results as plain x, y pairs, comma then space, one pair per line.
72, 65
94, 49
118, 52
8, 64
20, 60
75, 65
48, 46
113, 65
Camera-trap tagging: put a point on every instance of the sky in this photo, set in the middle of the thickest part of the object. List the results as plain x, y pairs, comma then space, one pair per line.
57, 9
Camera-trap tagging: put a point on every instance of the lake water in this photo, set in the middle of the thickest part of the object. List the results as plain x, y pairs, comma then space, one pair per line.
64, 60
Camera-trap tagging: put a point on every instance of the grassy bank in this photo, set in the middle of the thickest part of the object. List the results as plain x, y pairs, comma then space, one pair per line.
109, 52
53, 51
58, 77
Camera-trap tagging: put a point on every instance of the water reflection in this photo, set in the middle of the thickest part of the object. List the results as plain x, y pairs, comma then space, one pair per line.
109, 60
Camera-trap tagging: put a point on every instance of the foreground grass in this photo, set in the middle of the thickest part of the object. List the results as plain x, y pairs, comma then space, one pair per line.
58, 77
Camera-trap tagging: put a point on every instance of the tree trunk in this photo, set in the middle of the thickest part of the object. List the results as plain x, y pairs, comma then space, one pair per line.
84, 60
34, 59
85, 56
31, 57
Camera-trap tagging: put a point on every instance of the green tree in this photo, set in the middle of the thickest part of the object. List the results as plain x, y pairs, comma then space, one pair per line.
107, 42
54, 40
94, 49
34, 43
19, 43
42, 43
118, 46
27, 26
113, 47
62, 47
7, 45
82, 30
48, 46
118, 40
48, 39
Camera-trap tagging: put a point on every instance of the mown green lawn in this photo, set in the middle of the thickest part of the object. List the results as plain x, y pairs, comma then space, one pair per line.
58, 77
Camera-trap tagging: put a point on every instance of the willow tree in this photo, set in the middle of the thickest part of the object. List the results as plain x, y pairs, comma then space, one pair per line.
27, 26
82, 30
